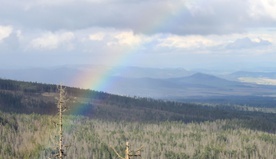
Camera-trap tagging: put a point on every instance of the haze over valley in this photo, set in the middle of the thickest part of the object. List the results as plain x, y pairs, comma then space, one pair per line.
162, 83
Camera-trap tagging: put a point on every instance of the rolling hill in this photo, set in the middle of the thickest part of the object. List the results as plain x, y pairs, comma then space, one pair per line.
27, 97
197, 85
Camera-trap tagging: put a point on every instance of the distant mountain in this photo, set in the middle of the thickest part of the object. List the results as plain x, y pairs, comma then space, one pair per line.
146, 82
161, 73
196, 85
204, 79
42, 75
67, 74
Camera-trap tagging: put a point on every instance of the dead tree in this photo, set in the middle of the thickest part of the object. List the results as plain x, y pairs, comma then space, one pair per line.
61, 108
128, 152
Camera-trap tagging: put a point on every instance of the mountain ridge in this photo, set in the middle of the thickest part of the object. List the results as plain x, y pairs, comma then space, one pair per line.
175, 83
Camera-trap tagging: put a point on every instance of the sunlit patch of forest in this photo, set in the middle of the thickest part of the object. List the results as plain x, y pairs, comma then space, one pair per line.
35, 136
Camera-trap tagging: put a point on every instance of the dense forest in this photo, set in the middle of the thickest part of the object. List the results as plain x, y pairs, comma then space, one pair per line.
95, 121
27, 97
34, 136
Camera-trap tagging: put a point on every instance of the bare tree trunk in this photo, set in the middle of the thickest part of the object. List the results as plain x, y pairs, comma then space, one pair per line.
129, 153
61, 108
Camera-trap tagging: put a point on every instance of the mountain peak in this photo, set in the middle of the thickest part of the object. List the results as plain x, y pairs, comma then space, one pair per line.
203, 76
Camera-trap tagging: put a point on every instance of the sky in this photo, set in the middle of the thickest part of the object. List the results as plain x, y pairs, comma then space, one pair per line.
213, 34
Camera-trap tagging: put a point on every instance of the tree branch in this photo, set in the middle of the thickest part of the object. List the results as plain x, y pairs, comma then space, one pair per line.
116, 153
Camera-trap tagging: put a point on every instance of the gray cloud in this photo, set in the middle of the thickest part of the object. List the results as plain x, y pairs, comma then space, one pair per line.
10, 44
100, 31
247, 43
147, 17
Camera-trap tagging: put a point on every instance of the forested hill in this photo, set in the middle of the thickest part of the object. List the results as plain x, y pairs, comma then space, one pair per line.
28, 97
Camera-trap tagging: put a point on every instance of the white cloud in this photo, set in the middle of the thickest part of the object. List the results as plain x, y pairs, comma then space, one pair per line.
50, 41
126, 38
97, 36
186, 42
263, 8
5, 32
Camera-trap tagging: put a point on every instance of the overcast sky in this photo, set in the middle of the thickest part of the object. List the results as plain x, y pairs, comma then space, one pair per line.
224, 34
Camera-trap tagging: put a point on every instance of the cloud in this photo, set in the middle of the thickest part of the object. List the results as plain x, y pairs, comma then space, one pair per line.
5, 31
186, 42
50, 41
9, 39
178, 17
247, 43
127, 38
263, 9
169, 30
114, 37
97, 36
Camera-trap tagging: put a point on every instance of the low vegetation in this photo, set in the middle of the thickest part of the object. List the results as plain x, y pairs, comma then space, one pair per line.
34, 136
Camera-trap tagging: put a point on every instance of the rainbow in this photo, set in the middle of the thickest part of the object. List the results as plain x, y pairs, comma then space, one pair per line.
98, 78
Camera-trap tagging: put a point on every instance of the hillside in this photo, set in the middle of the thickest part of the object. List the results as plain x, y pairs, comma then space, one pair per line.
26, 97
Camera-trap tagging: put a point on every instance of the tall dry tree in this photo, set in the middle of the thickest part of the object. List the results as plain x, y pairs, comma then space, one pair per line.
61, 108
128, 152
